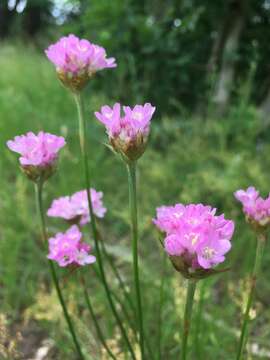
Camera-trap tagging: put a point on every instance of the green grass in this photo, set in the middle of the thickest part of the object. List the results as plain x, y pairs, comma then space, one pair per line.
189, 159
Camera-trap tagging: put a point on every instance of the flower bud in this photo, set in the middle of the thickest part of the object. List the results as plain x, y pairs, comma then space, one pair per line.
128, 134
75, 210
39, 154
255, 208
67, 249
77, 60
196, 239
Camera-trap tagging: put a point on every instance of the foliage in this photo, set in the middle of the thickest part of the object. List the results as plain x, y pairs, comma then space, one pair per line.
169, 52
189, 159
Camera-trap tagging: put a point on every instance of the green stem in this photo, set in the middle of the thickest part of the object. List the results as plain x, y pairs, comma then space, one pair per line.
125, 312
131, 167
39, 204
121, 304
161, 300
187, 316
92, 313
118, 277
93, 227
256, 269
198, 321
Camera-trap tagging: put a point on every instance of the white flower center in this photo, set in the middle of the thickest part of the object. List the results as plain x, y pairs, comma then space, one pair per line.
193, 238
208, 253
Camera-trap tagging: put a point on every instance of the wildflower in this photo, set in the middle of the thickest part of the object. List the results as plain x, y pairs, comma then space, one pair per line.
68, 249
77, 60
128, 134
39, 153
75, 208
256, 209
196, 239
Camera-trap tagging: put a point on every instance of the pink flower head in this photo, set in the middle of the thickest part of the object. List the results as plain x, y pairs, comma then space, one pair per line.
256, 209
196, 238
74, 208
68, 249
128, 134
38, 152
76, 60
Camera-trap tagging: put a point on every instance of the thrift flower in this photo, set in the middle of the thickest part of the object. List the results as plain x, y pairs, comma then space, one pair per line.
75, 208
39, 153
128, 134
196, 239
256, 209
68, 249
77, 60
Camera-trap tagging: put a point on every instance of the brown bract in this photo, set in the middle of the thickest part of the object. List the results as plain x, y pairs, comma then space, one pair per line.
39, 173
260, 227
131, 150
187, 272
74, 82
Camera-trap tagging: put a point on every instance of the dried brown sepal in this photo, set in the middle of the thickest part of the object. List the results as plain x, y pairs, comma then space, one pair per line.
187, 272
39, 173
258, 226
74, 82
131, 150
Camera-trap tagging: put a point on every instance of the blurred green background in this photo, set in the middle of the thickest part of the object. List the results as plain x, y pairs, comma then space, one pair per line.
205, 66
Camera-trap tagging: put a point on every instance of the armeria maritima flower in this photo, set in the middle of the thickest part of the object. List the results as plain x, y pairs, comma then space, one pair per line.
256, 209
39, 153
68, 249
196, 239
76, 60
128, 134
75, 208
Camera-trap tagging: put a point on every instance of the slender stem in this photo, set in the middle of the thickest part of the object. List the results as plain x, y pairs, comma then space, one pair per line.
118, 276
161, 300
92, 313
121, 304
187, 316
129, 320
198, 321
256, 270
39, 204
131, 167
93, 227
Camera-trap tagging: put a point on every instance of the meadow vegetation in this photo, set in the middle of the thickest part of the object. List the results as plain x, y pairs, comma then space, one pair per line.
191, 157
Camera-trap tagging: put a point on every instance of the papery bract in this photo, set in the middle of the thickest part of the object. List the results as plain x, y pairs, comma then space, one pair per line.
75, 208
195, 238
68, 249
256, 209
76, 60
39, 153
128, 134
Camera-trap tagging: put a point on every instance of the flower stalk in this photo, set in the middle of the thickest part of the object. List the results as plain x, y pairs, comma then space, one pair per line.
187, 316
118, 277
198, 321
131, 167
39, 204
261, 239
94, 318
161, 303
82, 138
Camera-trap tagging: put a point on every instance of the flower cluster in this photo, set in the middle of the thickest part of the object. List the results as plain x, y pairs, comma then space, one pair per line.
75, 208
256, 208
68, 249
77, 60
128, 134
39, 153
196, 239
